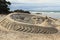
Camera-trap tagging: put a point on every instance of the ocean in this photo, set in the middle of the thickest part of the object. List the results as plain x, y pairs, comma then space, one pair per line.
45, 9
50, 14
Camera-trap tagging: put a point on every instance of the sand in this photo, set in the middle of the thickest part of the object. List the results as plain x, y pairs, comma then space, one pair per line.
15, 35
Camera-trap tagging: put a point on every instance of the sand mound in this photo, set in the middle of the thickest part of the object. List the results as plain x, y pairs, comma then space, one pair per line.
29, 27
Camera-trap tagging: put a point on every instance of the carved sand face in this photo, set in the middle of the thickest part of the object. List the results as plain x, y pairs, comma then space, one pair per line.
36, 19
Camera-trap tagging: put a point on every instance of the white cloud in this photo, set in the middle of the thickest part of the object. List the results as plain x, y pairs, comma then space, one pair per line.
35, 1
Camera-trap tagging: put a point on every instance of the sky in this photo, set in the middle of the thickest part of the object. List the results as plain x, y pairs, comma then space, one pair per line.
35, 1
35, 4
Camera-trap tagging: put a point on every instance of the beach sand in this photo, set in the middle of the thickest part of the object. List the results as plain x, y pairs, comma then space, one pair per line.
15, 35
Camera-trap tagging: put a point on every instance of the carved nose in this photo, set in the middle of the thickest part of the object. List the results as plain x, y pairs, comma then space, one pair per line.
37, 19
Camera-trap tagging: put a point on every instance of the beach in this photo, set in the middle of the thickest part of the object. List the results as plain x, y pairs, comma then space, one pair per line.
20, 35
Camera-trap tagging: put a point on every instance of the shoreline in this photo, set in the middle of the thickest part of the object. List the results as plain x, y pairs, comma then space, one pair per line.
50, 14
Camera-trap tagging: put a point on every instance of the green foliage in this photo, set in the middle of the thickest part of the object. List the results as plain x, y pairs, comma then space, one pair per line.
18, 10
38, 13
4, 6
22, 11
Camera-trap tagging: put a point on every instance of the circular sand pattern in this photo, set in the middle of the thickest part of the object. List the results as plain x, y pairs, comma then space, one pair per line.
26, 18
26, 23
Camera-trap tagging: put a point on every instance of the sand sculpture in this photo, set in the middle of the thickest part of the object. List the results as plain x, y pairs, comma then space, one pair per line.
30, 23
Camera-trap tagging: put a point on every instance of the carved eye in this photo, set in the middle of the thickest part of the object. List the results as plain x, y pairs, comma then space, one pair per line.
34, 18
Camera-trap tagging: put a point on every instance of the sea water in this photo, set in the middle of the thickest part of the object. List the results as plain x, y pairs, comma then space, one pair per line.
50, 14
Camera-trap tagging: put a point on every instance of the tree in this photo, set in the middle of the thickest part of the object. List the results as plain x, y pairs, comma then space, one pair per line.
28, 12
19, 10
39, 13
22, 11
4, 6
